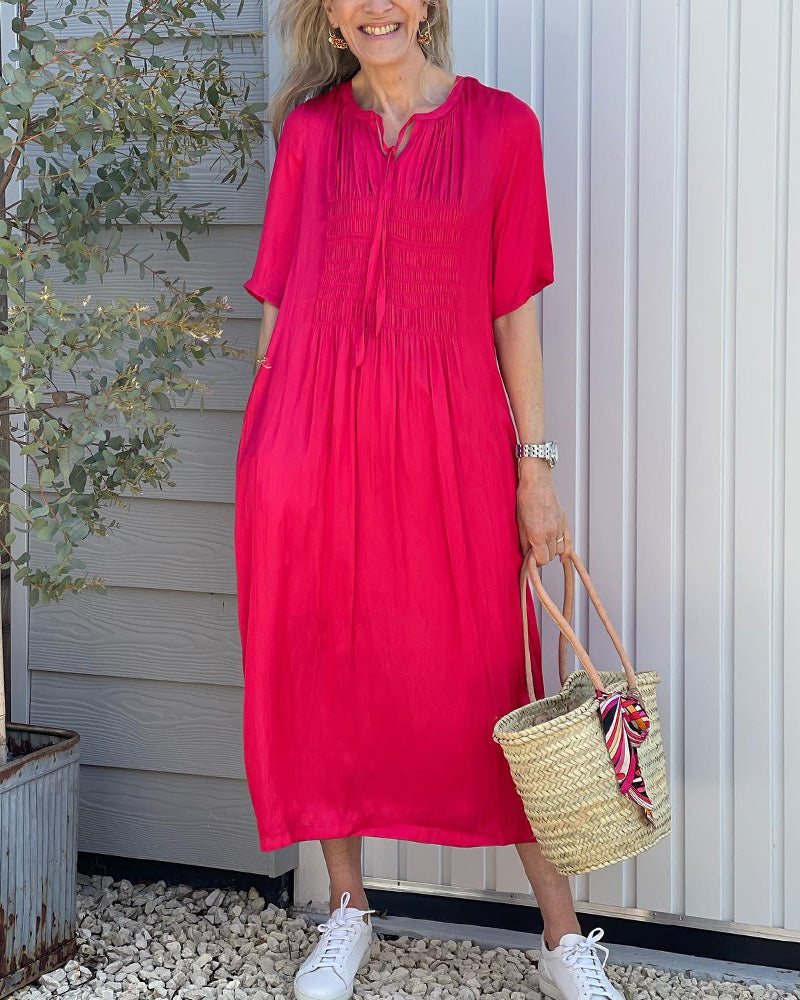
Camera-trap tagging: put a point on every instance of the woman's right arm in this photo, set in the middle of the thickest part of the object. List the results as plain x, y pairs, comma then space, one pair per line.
280, 228
269, 315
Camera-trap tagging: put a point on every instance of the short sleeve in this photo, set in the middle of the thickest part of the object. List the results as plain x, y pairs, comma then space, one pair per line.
522, 253
279, 231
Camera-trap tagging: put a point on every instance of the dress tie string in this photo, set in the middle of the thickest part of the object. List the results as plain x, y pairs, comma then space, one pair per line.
376, 280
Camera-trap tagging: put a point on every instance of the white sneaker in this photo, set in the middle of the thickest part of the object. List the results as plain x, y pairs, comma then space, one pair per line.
327, 973
573, 970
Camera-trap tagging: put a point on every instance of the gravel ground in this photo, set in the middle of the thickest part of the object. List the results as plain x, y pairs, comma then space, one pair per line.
164, 941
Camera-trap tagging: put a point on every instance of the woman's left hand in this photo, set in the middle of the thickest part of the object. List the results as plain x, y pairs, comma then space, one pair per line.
540, 517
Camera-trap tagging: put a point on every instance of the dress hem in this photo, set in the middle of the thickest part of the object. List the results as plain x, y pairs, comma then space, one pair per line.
438, 836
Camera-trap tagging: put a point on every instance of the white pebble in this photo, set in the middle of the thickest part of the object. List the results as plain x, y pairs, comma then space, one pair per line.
160, 942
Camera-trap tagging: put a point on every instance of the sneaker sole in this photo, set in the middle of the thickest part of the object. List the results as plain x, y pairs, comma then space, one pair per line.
310, 996
345, 995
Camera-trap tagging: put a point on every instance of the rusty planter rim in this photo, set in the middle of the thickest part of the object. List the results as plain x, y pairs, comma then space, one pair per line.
69, 739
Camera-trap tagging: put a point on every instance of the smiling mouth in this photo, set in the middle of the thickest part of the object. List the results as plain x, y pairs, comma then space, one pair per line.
378, 31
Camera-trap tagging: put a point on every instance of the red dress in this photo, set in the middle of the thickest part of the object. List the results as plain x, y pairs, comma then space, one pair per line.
376, 543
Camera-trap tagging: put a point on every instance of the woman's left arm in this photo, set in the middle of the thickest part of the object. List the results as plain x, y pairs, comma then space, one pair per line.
540, 517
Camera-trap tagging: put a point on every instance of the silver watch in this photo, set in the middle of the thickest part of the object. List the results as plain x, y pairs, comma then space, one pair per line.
548, 450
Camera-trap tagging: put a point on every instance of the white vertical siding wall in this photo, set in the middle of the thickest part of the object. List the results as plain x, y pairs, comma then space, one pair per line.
672, 147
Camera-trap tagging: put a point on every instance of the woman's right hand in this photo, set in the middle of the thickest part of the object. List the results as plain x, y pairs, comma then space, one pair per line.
269, 316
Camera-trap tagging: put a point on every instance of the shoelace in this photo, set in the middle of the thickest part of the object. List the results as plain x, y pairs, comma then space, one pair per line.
339, 927
590, 970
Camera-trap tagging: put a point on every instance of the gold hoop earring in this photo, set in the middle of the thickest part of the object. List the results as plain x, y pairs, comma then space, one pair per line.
424, 37
336, 41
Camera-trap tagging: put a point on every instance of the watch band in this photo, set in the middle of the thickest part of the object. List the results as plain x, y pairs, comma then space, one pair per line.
547, 450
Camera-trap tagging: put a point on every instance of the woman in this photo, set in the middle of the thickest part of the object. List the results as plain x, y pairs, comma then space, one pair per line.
381, 513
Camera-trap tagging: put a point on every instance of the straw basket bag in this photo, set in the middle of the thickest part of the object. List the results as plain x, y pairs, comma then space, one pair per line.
588, 762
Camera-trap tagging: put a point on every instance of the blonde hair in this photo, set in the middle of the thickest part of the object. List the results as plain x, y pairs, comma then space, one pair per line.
313, 66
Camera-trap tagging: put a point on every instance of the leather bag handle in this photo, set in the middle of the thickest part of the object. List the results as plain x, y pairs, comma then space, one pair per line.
567, 632
569, 600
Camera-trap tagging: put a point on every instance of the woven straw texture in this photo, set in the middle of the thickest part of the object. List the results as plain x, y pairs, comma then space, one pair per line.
564, 775
561, 766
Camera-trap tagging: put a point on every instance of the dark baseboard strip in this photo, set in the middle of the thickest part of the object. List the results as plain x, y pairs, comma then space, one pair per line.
680, 940
278, 890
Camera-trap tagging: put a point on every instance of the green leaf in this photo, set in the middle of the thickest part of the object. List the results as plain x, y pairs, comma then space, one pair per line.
48, 531
31, 32
63, 549
20, 93
161, 400
77, 479
19, 512
79, 531
164, 104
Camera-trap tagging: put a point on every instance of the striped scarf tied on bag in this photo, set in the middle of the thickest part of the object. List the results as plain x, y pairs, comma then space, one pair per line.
625, 727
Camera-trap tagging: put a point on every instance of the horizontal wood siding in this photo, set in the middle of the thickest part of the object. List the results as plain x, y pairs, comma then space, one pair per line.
172, 817
170, 635
150, 674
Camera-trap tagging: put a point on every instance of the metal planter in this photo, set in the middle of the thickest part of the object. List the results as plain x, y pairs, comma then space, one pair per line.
38, 853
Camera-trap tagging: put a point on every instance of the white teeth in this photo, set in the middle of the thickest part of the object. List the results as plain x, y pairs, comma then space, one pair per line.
380, 31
